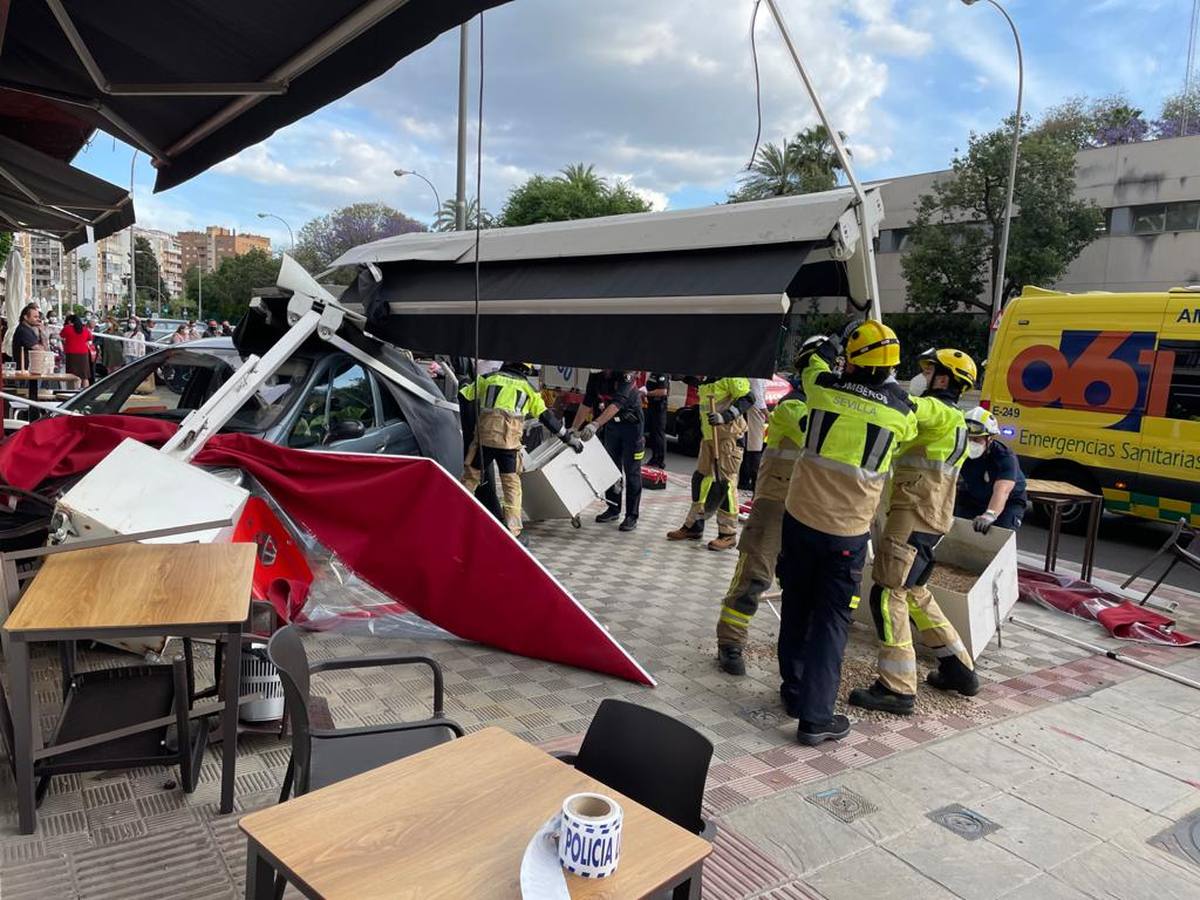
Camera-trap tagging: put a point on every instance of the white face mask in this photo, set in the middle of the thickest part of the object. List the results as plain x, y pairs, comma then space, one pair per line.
919, 383
976, 449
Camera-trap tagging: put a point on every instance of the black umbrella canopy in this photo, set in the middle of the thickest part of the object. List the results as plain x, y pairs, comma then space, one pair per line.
42, 194
192, 82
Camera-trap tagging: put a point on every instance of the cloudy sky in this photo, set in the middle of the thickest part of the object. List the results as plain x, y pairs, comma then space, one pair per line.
661, 93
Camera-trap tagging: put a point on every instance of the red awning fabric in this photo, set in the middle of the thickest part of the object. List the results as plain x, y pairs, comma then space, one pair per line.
402, 524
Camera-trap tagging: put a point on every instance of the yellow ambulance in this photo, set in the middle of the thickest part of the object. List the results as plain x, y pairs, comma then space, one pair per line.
1103, 391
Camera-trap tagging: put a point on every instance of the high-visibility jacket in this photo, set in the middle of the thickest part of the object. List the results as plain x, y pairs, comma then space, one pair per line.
785, 438
724, 393
926, 469
853, 432
505, 400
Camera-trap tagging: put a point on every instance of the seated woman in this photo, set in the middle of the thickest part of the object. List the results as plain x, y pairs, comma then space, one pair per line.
991, 486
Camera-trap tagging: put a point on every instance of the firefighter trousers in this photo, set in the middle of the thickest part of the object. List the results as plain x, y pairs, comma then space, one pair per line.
900, 598
758, 553
714, 483
626, 446
480, 459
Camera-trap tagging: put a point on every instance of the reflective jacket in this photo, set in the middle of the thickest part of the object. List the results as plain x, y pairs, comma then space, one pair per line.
725, 393
505, 400
785, 438
926, 469
853, 431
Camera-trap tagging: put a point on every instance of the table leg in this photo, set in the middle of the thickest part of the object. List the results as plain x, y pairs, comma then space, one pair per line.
260, 877
1055, 533
692, 881
1095, 511
229, 717
23, 725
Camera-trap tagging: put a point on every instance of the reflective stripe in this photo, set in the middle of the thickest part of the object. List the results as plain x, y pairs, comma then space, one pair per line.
522, 401
780, 453
916, 461
491, 395
960, 447
846, 468
641, 454
884, 619
820, 421
854, 601
898, 666
954, 649
874, 456
729, 614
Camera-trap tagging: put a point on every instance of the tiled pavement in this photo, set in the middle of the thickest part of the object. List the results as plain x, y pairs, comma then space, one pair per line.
1077, 758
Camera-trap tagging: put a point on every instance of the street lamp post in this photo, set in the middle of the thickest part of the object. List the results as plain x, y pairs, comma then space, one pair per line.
400, 173
998, 296
291, 236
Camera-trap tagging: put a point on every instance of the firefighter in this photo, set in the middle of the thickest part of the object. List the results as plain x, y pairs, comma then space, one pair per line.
920, 513
991, 486
855, 421
723, 406
505, 398
658, 389
758, 547
614, 405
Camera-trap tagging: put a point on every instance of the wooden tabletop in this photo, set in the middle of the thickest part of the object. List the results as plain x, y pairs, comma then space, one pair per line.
453, 822
1059, 488
138, 586
29, 376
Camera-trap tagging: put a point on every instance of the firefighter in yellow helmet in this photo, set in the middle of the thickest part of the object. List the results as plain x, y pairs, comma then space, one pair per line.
723, 405
920, 512
856, 420
505, 398
758, 547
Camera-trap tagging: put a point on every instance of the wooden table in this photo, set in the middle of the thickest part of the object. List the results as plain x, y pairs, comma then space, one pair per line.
127, 590
1059, 494
452, 822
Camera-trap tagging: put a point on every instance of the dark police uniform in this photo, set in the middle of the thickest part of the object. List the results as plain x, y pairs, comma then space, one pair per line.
623, 435
656, 418
978, 480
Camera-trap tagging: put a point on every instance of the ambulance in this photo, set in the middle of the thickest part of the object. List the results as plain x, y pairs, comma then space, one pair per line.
1102, 390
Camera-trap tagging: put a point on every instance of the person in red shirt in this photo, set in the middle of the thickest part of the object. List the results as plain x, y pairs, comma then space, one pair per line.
77, 348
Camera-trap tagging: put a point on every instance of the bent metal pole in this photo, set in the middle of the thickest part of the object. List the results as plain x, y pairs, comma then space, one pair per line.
1116, 655
866, 242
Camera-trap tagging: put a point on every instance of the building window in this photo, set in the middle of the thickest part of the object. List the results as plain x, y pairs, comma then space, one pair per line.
1157, 218
894, 240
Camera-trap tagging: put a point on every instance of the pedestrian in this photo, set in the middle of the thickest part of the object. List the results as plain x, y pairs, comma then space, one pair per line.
723, 406
179, 335
920, 513
991, 489
112, 351
193, 331
226, 329
855, 421
135, 343
505, 399
147, 326
213, 329
77, 349
614, 407
758, 547
658, 390
27, 337
756, 425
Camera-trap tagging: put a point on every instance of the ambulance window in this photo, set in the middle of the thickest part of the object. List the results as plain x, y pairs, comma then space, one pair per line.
1183, 400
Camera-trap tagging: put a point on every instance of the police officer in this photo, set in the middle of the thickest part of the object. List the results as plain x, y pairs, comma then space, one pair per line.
855, 421
758, 547
991, 490
658, 388
505, 398
614, 405
723, 406
920, 513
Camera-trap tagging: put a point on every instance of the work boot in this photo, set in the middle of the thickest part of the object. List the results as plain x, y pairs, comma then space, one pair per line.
723, 542
833, 730
628, 524
952, 675
882, 699
687, 533
609, 515
729, 659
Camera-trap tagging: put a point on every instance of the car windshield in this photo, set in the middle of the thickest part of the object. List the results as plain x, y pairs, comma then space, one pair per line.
170, 384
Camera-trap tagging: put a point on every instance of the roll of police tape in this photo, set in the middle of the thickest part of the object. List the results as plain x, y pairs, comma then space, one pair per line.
589, 844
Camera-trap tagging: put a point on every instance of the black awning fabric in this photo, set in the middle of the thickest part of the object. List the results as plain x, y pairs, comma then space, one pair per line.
631, 311
42, 194
141, 48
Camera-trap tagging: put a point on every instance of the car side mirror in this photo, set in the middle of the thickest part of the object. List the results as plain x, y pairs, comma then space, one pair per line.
345, 430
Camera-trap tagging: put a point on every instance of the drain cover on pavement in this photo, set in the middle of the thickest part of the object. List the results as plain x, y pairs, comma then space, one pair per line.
966, 823
1181, 839
842, 803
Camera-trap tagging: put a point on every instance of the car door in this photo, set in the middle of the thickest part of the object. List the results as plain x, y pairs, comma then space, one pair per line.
338, 413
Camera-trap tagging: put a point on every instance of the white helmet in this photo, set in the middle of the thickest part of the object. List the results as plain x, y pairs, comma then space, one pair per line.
981, 423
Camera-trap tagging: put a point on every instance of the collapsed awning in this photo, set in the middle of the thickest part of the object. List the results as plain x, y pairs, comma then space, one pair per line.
192, 82
700, 291
41, 194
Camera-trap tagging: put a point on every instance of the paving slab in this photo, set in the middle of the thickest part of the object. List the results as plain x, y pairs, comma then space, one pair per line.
1032, 834
895, 812
1046, 887
875, 873
1112, 871
1080, 804
974, 870
930, 780
989, 760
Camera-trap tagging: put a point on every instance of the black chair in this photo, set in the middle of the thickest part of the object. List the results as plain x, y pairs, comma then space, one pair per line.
1179, 546
324, 756
651, 758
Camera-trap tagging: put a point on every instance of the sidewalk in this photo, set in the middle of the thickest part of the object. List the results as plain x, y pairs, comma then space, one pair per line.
1078, 759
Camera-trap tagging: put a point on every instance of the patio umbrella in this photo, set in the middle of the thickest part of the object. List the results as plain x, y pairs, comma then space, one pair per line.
14, 294
192, 82
42, 194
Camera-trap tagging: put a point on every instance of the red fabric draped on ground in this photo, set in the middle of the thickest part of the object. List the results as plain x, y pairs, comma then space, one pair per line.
401, 524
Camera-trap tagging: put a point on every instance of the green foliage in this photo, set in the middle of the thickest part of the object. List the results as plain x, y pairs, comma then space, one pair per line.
804, 165
148, 278
577, 192
324, 239
447, 217
227, 290
6, 242
1180, 114
1083, 123
955, 236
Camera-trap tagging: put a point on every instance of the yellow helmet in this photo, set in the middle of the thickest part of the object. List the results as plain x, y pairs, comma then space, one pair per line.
959, 365
873, 344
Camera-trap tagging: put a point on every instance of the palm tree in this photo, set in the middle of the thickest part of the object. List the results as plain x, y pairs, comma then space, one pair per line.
447, 217
584, 178
806, 164
84, 265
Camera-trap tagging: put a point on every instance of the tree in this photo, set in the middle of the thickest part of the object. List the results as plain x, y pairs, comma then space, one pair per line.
326, 238
1102, 122
1180, 115
447, 217
577, 192
85, 265
150, 288
6, 242
806, 164
228, 289
955, 236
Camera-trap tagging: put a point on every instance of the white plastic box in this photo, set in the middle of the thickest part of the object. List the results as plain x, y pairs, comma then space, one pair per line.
559, 483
